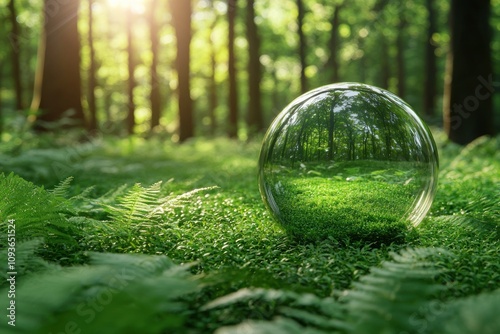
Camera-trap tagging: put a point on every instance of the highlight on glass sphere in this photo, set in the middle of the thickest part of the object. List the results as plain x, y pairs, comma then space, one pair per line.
348, 161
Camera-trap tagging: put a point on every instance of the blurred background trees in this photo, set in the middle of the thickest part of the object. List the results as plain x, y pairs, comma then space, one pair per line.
226, 67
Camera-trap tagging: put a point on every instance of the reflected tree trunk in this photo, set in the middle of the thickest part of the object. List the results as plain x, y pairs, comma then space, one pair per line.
233, 91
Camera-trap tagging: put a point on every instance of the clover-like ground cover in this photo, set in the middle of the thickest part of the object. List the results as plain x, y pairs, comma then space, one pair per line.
243, 266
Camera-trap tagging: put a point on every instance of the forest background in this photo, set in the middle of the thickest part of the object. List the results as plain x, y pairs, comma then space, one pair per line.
209, 67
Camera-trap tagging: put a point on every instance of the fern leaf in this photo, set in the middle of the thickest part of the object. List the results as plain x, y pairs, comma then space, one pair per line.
278, 326
61, 190
35, 212
385, 300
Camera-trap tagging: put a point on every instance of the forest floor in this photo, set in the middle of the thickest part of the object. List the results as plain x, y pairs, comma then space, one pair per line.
139, 236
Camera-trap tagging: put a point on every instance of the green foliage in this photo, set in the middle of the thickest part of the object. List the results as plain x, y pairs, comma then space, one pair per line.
35, 212
247, 275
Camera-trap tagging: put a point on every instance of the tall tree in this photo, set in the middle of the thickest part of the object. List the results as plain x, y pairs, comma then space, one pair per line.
302, 45
130, 121
92, 69
58, 82
15, 54
231, 64
181, 15
155, 83
212, 85
430, 61
333, 62
401, 46
255, 117
468, 100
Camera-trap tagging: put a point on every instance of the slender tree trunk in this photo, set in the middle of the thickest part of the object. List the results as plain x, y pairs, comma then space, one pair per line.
1, 100
155, 83
400, 59
58, 82
181, 16
430, 62
255, 118
15, 54
385, 68
468, 100
334, 46
233, 91
212, 93
92, 69
131, 71
302, 46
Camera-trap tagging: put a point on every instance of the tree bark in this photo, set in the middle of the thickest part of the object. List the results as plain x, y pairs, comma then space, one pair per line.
92, 69
430, 62
333, 62
154, 81
131, 70
385, 68
400, 59
468, 100
212, 89
181, 16
233, 91
58, 82
15, 54
302, 46
255, 118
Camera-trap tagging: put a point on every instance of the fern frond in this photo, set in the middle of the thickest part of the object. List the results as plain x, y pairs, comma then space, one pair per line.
136, 204
385, 300
170, 202
27, 262
475, 314
118, 294
306, 309
35, 212
279, 325
61, 190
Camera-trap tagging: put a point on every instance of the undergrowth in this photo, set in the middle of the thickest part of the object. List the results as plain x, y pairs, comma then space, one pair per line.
135, 236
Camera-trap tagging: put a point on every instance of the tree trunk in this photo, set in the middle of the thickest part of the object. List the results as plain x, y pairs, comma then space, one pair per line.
233, 91
212, 91
430, 62
302, 46
333, 62
181, 16
468, 100
385, 68
400, 59
154, 79
131, 70
255, 118
57, 82
15, 54
92, 69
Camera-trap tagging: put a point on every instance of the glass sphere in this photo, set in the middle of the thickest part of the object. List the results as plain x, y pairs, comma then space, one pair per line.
348, 161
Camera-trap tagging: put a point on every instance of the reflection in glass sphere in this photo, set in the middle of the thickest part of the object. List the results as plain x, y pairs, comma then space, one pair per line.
350, 161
